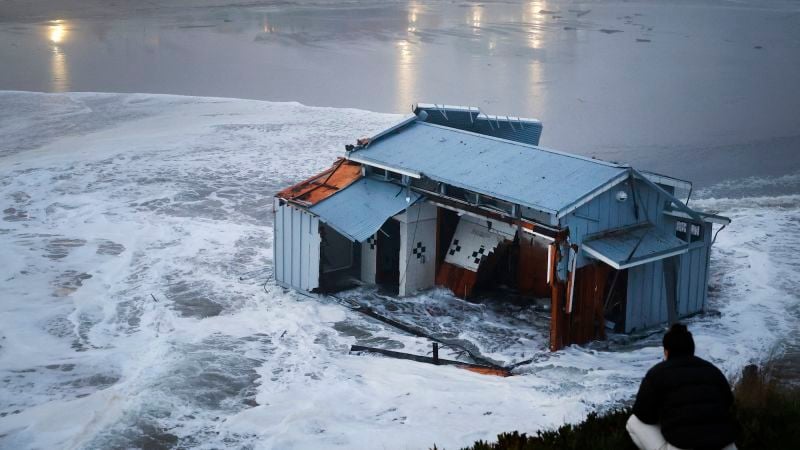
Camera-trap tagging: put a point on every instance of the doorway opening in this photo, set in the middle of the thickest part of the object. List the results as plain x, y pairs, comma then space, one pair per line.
340, 261
615, 299
387, 271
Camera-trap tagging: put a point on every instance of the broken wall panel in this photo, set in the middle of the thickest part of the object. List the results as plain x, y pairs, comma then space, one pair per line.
586, 322
475, 239
458, 279
532, 261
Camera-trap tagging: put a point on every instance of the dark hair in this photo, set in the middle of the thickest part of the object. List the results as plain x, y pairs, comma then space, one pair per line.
678, 341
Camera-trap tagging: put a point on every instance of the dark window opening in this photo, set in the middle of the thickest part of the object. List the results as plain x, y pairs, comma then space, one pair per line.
494, 203
688, 231
387, 271
462, 194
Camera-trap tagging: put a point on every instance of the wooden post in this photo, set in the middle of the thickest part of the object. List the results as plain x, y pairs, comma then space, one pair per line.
436, 353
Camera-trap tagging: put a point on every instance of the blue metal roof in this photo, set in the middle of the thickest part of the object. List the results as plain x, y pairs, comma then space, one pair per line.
359, 210
633, 246
541, 179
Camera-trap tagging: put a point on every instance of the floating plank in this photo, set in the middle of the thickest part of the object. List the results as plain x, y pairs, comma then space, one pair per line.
485, 370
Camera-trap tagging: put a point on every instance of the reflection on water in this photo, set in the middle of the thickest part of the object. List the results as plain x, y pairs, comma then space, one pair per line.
406, 74
605, 77
57, 33
475, 16
535, 22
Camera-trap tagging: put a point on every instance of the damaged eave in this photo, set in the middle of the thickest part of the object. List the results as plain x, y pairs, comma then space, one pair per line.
322, 185
707, 217
481, 211
682, 206
356, 159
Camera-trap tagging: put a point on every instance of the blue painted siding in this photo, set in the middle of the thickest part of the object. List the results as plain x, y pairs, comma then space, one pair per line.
604, 212
647, 304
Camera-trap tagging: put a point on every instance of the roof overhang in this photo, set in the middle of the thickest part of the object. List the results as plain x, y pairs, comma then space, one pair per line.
367, 162
360, 209
633, 246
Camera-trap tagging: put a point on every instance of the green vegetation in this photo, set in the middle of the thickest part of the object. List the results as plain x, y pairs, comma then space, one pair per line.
768, 414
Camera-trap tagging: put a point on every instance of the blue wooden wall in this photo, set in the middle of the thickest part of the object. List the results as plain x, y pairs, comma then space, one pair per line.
647, 305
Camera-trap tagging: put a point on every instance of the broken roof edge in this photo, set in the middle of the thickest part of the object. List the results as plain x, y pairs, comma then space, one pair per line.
676, 201
399, 125
331, 184
471, 109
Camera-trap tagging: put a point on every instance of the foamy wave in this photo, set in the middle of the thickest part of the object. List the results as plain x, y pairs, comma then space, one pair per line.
173, 198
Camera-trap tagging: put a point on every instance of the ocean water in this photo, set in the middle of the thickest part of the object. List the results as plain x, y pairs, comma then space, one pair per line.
137, 307
699, 89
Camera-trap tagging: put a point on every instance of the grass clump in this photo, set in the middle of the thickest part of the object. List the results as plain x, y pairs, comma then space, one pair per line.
767, 412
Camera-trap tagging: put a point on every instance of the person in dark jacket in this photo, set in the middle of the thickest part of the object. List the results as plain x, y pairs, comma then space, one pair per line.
683, 402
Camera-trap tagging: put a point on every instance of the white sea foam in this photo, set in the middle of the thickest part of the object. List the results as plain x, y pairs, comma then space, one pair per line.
107, 199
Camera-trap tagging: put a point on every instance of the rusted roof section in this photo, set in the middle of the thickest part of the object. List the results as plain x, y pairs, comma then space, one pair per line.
324, 184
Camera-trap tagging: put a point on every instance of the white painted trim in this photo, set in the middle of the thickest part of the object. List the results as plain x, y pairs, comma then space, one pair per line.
367, 162
711, 218
550, 250
573, 263
409, 119
537, 234
594, 194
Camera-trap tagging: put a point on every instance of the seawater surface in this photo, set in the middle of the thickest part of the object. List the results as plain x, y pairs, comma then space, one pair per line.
138, 310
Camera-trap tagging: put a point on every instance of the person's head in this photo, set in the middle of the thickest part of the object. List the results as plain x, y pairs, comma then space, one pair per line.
678, 341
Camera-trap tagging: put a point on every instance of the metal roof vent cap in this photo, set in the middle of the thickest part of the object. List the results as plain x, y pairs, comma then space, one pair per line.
622, 196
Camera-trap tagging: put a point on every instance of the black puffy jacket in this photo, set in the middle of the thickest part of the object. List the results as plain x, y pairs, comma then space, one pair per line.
691, 400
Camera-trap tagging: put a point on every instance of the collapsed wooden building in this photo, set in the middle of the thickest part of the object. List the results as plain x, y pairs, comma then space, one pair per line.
456, 198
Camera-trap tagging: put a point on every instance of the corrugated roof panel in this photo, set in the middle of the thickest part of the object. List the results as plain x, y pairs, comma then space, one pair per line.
633, 246
542, 179
465, 118
359, 210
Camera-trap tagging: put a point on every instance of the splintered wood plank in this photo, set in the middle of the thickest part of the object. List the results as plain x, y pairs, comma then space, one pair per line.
458, 279
324, 184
